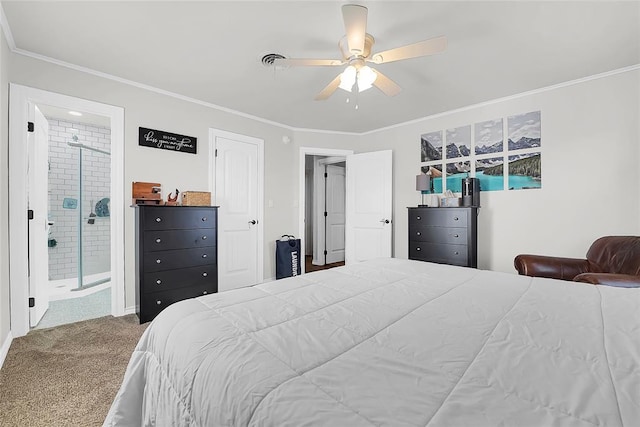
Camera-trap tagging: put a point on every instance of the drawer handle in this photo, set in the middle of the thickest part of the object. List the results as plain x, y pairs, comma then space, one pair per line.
158, 302
204, 237
159, 282
418, 233
455, 218
158, 240
158, 219
455, 235
158, 261
417, 217
418, 248
204, 293
205, 274
204, 218
204, 255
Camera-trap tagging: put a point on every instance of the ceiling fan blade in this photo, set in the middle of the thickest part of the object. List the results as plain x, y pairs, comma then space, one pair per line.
329, 89
423, 48
386, 85
291, 62
355, 24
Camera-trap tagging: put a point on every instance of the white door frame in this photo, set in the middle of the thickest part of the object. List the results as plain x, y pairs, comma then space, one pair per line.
19, 97
213, 133
311, 151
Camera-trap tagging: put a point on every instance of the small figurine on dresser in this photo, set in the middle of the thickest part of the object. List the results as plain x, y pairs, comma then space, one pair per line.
172, 200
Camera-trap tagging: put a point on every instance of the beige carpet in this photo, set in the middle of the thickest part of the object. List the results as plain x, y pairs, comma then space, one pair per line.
67, 375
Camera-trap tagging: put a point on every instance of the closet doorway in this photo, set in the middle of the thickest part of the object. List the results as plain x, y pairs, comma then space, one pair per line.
323, 208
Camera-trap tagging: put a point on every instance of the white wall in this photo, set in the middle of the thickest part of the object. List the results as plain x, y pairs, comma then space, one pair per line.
590, 174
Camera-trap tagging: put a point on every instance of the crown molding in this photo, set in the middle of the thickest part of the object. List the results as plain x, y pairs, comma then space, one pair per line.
6, 29
508, 98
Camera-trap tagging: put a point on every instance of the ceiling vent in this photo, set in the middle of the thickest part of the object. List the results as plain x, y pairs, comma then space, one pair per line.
268, 59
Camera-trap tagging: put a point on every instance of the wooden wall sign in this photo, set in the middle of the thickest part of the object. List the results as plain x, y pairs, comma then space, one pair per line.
166, 140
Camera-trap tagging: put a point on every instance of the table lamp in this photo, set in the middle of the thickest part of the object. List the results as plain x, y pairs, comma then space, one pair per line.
423, 185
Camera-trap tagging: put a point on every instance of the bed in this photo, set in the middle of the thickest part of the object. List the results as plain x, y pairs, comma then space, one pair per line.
391, 342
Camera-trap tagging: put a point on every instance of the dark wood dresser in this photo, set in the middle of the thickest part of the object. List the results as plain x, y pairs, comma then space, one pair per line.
176, 256
444, 235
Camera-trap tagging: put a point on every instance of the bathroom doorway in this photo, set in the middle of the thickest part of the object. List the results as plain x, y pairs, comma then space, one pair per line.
69, 249
78, 216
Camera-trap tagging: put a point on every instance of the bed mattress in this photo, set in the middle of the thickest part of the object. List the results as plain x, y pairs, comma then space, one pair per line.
390, 342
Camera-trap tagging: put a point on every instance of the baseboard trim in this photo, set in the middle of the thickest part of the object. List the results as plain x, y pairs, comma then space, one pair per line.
129, 310
4, 350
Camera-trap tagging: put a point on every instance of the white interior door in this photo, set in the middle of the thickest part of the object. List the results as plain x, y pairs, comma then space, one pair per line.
38, 185
335, 208
238, 193
368, 206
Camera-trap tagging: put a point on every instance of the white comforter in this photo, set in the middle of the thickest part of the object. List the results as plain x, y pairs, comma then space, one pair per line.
391, 342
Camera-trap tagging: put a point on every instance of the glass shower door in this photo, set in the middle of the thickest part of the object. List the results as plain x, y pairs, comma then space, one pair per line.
95, 238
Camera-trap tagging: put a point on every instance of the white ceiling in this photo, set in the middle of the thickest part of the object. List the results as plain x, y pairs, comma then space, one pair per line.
211, 51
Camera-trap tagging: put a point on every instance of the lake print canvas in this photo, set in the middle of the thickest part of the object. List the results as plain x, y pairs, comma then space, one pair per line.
455, 173
488, 137
431, 146
490, 173
524, 131
525, 171
502, 153
459, 142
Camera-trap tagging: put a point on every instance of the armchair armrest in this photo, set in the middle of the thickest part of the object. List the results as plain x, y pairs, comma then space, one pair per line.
609, 279
551, 267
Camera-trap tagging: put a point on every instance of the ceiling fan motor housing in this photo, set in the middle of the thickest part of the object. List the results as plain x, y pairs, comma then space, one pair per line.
369, 41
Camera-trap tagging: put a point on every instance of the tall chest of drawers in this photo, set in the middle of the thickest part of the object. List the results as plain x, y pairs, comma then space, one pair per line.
444, 235
176, 256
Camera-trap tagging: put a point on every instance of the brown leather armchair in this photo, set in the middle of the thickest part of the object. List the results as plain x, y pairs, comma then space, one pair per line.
611, 261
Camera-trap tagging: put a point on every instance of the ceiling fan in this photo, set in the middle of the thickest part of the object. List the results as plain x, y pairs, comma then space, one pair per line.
355, 47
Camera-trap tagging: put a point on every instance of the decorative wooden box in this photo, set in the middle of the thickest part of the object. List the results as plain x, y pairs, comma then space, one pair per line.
196, 198
146, 193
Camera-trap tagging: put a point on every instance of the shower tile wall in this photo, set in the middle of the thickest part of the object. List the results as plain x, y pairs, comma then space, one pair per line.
63, 183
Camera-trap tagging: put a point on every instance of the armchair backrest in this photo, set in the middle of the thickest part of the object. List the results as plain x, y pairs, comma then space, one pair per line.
615, 254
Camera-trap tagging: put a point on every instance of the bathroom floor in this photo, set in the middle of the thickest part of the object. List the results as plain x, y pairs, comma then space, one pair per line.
61, 312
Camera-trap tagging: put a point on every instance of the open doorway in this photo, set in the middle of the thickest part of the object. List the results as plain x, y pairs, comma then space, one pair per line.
325, 211
323, 208
77, 204
67, 173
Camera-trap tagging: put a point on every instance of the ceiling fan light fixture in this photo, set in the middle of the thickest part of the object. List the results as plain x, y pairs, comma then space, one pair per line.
348, 78
366, 77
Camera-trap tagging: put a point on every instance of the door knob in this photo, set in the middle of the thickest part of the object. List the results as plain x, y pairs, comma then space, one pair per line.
384, 221
253, 222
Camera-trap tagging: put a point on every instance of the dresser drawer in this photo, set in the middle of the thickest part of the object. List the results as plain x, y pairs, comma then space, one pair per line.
178, 239
162, 218
181, 278
180, 258
451, 235
440, 253
155, 302
444, 217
